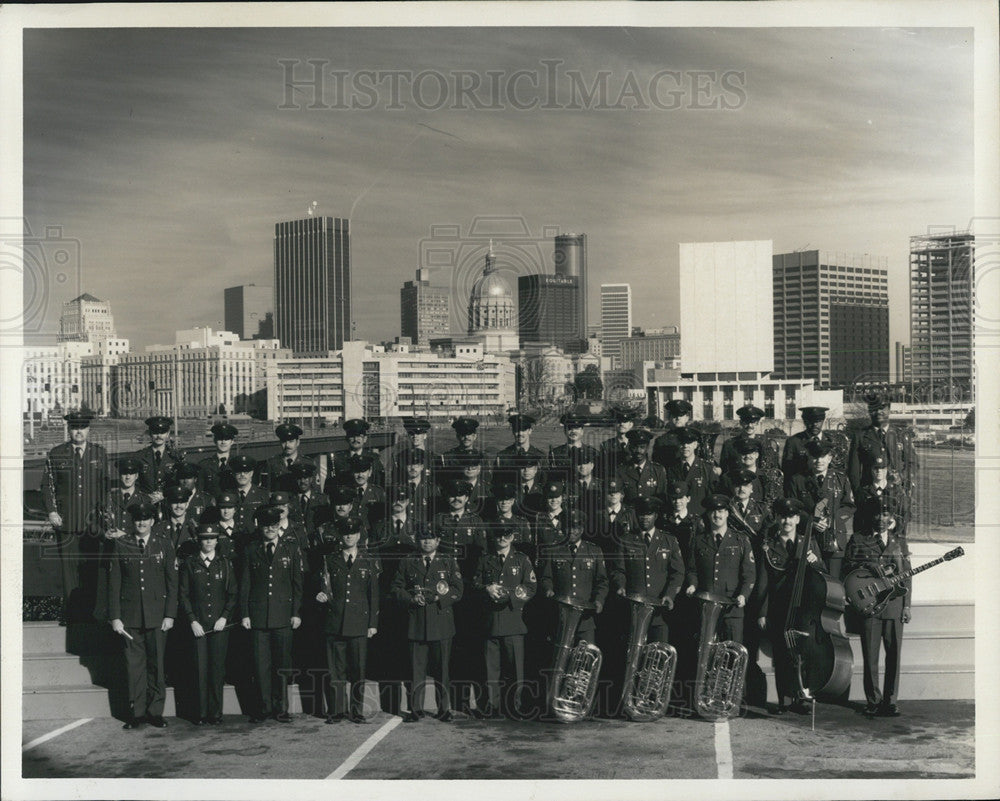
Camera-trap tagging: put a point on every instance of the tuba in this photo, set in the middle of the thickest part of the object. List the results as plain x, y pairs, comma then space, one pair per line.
575, 672
722, 666
649, 668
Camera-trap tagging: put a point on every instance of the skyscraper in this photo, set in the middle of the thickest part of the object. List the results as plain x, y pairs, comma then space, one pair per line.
548, 310
312, 284
246, 307
571, 259
831, 318
941, 336
424, 310
616, 319
86, 319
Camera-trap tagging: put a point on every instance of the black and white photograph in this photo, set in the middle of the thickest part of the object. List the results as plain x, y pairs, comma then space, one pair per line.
597, 398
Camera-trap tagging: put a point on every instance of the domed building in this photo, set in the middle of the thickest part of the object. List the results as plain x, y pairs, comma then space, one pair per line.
492, 311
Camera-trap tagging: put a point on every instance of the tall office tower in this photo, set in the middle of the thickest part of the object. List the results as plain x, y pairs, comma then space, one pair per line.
831, 318
312, 284
246, 307
616, 319
941, 294
424, 310
548, 310
571, 259
86, 319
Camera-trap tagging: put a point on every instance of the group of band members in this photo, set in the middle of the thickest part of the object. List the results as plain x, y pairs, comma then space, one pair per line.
402, 565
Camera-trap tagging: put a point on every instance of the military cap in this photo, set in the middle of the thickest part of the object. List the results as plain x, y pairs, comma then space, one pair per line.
227, 499
638, 436
177, 494
465, 459
678, 489
876, 402
613, 485
576, 517
570, 420
302, 470
279, 499
416, 425
818, 447
521, 422
876, 461
465, 425
750, 413
267, 516
647, 506
716, 501
741, 477
210, 514
224, 431
553, 489
457, 487
77, 419
342, 494
356, 426
685, 435
414, 456
623, 414
186, 470
746, 445
129, 464
786, 507
400, 493
425, 533
142, 511
527, 459
813, 413
345, 526
652, 421
208, 531
504, 491
876, 504
360, 462
584, 455
503, 531
241, 463
287, 431
158, 425
677, 407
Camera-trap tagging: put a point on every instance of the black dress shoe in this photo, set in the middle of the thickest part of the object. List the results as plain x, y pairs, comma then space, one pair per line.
132, 723
358, 719
257, 718
158, 722
801, 708
331, 719
780, 709
888, 711
215, 721
445, 717
283, 717
411, 717
871, 710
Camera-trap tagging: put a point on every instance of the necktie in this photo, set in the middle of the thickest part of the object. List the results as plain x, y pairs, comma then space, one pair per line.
222, 463
208, 563
399, 527
648, 536
456, 518
270, 550
718, 541
612, 515
350, 561
790, 548
141, 543
427, 563
156, 457
243, 495
525, 488
289, 462
572, 549
126, 497
79, 453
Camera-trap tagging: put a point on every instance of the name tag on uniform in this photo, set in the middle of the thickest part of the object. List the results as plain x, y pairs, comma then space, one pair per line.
560, 562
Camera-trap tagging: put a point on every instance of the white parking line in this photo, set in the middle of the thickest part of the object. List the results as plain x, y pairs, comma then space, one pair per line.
723, 750
53, 734
362, 750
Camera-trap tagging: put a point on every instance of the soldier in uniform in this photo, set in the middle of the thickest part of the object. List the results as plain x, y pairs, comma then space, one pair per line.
614, 521
666, 449
748, 454
175, 524
370, 503
142, 605
429, 583
186, 475
880, 437
223, 517
747, 515
467, 434
503, 515
614, 450
208, 597
306, 500
878, 466
123, 496
470, 470
529, 483
550, 525
826, 494
274, 474
690, 468
158, 458
414, 467
750, 417
289, 527
336, 468
508, 459
249, 496
350, 599
74, 487
584, 492
416, 429
344, 504
270, 599
216, 476
794, 459
561, 456
506, 580
641, 478
880, 549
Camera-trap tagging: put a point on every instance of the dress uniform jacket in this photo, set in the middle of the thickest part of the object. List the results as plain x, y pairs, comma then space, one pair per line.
561, 458
866, 550
581, 576
271, 589
117, 506
899, 453
794, 458
215, 477
421, 495
208, 593
505, 617
749, 521
549, 530
247, 506
436, 620
507, 459
684, 530
655, 570
75, 487
274, 474
177, 532
465, 538
666, 449
199, 502
840, 507
649, 481
608, 531
585, 496
529, 496
142, 586
728, 570
370, 504
154, 477
353, 593
700, 480
891, 490
612, 454
776, 575
336, 468
305, 507
388, 537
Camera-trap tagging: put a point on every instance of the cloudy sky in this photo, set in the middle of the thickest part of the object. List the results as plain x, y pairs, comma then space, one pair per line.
167, 154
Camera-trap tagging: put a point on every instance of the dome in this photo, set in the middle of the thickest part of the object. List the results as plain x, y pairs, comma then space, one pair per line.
491, 284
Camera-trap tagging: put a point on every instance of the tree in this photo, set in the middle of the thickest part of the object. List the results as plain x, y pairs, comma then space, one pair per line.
588, 383
970, 421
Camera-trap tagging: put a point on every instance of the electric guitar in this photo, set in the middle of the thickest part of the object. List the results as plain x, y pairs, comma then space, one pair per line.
868, 592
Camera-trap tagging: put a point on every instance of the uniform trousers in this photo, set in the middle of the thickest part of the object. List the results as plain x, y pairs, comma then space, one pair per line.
346, 659
210, 662
887, 633
434, 655
272, 664
147, 687
504, 662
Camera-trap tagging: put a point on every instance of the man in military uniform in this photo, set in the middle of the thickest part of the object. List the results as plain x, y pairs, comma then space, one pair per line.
470, 470
794, 459
158, 458
549, 526
826, 494
223, 517
584, 492
208, 597
690, 468
306, 499
764, 487
142, 605
186, 475
878, 466
344, 504
350, 599
614, 521
248, 495
370, 503
506, 579
529, 482
74, 487
414, 479
507, 460
561, 457
429, 583
288, 526
394, 461
667, 449
614, 451
175, 524
336, 467
216, 476
641, 478
274, 474
880, 437
271, 599
503, 515
123, 496
750, 417
747, 515
879, 549
467, 434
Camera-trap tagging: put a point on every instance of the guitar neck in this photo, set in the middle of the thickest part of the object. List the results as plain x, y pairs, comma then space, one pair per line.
904, 576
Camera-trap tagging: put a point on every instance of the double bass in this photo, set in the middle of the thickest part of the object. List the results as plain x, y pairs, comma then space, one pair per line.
814, 634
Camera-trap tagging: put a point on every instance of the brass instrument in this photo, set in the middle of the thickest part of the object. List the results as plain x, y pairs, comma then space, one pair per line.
722, 666
574, 674
649, 668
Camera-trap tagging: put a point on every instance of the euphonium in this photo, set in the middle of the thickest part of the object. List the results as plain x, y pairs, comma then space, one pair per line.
649, 669
722, 666
575, 672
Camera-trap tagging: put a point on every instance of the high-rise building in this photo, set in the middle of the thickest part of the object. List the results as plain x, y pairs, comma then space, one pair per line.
548, 310
831, 318
424, 310
246, 309
86, 319
616, 319
312, 284
492, 316
570, 259
649, 348
941, 336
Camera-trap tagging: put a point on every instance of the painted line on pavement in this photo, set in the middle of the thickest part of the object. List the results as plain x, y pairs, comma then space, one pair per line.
53, 734
723, 750
362, 751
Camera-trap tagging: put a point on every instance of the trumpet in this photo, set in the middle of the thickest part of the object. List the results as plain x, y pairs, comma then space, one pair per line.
722, 666
574, 674
649, 669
